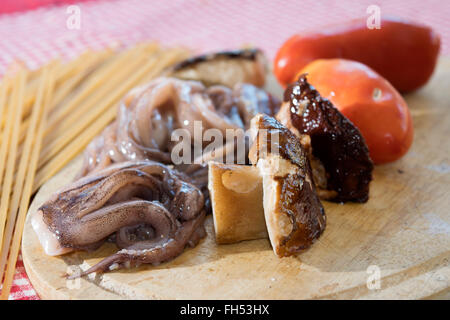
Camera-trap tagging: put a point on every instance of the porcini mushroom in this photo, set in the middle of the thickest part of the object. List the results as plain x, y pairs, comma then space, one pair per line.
294, 215
338, 153
226, 68
237, 202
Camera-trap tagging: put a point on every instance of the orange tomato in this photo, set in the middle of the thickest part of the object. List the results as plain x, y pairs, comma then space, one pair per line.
369, 101
403, 52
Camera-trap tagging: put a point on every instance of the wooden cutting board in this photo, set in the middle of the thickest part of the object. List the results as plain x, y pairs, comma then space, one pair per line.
403, 232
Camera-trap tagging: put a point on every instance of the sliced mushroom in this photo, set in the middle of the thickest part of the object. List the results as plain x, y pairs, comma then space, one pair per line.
226, 68
293, 213
237, 203
338, 153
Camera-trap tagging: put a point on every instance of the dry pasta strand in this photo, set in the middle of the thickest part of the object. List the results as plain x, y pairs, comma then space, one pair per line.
5, 134
25, 199
13, 124
20, 178
92, 83
65, 89
86, 113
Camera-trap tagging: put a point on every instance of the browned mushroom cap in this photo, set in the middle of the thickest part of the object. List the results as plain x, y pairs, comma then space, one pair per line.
294, 215
226, 68
340, 158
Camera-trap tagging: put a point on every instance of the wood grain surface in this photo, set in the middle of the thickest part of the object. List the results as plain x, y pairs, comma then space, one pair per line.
403, 231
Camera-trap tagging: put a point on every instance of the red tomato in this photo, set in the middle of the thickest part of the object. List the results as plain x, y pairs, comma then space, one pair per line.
369, 101
404, 53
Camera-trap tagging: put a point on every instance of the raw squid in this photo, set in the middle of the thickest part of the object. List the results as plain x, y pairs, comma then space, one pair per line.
149, 114
150, 210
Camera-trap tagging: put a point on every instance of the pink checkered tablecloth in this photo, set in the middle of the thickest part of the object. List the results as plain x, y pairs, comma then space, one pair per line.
37, 35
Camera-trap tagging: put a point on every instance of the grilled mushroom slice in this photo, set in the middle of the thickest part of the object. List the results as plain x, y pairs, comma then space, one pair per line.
338, 153
294, 215
226, 68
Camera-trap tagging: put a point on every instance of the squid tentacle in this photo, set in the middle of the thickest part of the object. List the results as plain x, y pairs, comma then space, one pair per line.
189, 233
104, 190
100, 224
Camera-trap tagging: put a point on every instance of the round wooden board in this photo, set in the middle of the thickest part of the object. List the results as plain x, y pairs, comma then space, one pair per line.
403, 231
